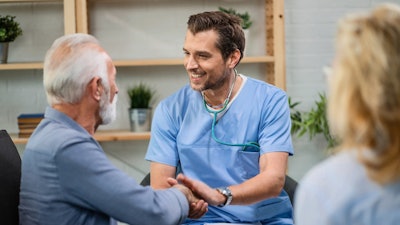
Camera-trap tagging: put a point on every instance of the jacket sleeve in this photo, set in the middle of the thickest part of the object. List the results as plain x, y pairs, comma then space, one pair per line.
91, 181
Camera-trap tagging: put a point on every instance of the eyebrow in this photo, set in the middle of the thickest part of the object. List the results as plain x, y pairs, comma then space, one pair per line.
198, 52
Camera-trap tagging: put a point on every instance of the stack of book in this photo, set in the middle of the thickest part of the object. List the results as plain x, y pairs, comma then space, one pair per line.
27, 124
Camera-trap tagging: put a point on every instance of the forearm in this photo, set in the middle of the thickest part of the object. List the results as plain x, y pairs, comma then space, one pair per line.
258, 188
267, 184
251, 191
159, 173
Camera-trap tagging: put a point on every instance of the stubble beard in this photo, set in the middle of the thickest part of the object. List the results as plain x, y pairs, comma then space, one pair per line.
208, 85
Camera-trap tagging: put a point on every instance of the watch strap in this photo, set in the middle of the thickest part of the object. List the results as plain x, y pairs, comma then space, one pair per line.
227, 193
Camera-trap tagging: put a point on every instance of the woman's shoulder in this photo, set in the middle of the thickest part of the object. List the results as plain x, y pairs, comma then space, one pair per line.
334, 168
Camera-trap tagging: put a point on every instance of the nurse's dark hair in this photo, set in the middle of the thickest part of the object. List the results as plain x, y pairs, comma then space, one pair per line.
231, 36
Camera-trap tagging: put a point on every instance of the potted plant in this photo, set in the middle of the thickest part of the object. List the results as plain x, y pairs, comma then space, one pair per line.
9, 31
140, 96
312, 122
295, 116
246, 22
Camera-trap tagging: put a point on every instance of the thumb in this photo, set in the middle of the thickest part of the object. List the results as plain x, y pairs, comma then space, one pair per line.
171, 181
185, 180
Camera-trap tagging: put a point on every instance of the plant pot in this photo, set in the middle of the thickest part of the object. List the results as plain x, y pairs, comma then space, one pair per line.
140, 119
4, 52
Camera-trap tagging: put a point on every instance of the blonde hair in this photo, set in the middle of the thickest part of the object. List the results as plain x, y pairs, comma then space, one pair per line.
364, 103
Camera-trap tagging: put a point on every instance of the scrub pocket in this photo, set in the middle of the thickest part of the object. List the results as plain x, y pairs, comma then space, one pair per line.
248, 163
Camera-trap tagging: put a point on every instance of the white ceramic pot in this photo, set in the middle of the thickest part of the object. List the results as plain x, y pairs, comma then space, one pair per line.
140, 119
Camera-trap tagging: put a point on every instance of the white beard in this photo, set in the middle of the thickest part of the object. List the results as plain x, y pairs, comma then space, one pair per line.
108, 111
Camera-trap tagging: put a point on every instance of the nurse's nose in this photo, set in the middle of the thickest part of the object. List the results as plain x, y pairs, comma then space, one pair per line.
191, 63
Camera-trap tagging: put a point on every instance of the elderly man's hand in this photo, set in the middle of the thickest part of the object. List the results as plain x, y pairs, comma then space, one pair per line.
197, 207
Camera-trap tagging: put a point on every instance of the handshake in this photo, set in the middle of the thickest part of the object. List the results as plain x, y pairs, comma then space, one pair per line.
198, 194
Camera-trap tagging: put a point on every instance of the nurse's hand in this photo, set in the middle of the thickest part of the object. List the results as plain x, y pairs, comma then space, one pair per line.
197, 207
210, 195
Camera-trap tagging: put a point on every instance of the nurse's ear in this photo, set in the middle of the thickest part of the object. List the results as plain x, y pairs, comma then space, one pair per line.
234, 58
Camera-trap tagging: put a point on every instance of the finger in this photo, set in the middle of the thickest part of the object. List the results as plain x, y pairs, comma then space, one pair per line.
186, 181
204, 209
198, 214
180, 177
194, 208
199, 209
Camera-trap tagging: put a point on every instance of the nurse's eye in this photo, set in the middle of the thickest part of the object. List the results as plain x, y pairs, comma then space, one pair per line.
204, 56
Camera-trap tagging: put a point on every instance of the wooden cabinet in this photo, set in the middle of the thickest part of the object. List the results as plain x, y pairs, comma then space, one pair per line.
274, 50
69, 18
76, 20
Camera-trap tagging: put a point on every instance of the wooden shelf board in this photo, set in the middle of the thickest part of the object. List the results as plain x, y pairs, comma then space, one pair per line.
134, 62
28, 1
258, 59
121, 135
103, 136
179, 61
21, 66
18, 140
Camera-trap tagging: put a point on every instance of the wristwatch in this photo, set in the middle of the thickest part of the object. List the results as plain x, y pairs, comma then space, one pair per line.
227, 193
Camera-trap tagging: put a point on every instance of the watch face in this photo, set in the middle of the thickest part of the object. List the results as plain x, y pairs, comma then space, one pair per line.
227, 193
229, 196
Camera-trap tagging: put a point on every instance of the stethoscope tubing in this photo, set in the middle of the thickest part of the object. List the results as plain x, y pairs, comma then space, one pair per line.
215, 115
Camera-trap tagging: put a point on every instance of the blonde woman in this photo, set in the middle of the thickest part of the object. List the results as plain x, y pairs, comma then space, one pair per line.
361, 183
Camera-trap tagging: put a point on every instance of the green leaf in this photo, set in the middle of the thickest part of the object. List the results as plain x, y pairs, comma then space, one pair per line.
140, 96
9, 28
313, 122
245, 17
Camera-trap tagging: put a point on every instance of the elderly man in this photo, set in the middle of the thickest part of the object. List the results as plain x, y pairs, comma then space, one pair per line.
66, 176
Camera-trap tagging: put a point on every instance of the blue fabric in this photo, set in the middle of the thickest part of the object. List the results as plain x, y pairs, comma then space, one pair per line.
181, 136
67, 179
339, 192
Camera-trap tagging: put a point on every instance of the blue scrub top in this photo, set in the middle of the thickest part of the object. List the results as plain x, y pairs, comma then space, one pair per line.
181, 136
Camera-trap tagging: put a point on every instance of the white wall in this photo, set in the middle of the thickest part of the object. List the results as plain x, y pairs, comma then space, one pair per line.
154, 29
310, 30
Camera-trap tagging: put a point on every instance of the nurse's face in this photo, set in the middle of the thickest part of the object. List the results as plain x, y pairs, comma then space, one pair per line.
203, 61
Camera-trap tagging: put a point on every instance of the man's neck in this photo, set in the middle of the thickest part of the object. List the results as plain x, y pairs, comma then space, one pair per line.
216, 98
80, 114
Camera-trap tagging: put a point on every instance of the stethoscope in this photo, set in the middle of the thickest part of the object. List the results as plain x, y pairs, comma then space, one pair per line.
215, 116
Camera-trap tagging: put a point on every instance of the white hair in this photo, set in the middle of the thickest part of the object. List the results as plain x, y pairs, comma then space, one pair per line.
70, 64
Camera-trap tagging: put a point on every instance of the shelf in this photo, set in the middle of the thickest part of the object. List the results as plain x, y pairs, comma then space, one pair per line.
121, 135
179, 62
258, 59
135, 62
103, 136
21, 66
28, 1
76, 21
